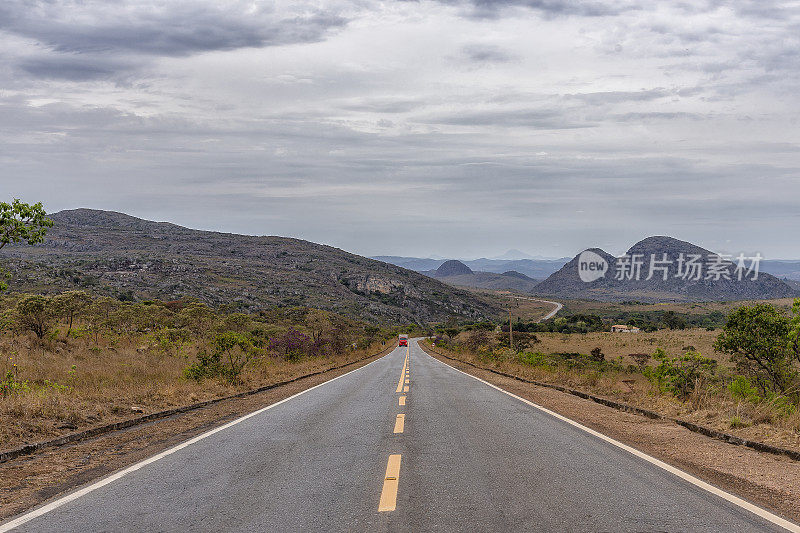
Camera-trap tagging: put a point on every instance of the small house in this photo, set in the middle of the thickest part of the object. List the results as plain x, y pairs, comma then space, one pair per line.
624, 328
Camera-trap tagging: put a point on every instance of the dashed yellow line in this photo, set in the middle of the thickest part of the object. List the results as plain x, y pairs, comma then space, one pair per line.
399, 423
390, 481
402, 375
388, 501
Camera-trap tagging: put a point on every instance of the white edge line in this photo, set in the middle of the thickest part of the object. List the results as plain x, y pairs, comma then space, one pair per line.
758, 511
30, 515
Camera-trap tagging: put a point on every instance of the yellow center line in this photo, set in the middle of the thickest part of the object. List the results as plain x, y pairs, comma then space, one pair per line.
405, 389
401, 400
402, 374
390, 481
399, 423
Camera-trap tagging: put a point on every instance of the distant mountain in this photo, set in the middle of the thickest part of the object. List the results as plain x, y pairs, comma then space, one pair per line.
518, 275
458, 274
540, 267
418, 264
680, 283
782, 268
534, 268
116, 254
513, 255
452, 267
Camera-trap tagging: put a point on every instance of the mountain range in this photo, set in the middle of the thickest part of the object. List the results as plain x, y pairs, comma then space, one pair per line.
537, 268
454, 272
673, 279
117, 254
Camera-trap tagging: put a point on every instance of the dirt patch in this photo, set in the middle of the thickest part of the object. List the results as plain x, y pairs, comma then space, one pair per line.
29, 481
768, 480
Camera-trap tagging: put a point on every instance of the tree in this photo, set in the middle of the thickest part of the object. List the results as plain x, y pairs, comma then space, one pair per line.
197, 317
99, 315
21, 222
758, 339
231, 352
35, 313
71, 304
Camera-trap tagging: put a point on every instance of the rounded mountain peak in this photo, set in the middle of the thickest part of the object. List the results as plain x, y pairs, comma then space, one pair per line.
660, 244
453, 267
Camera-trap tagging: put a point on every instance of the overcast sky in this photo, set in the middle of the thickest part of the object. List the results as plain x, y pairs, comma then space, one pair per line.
456, 128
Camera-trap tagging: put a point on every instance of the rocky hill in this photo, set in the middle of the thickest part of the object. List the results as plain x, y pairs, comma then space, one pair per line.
452, 268
673, 278
458, 274
114, 253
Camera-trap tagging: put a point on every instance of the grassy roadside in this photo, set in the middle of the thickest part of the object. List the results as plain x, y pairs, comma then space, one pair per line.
117, 360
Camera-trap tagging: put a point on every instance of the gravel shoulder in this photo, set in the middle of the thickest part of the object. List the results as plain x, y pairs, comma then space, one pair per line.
767, 480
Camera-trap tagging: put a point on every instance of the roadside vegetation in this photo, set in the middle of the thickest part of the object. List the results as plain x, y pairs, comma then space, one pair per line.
744, 378
72, 360
647, 321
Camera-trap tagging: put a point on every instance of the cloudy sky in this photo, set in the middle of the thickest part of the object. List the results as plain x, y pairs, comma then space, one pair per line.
457, 128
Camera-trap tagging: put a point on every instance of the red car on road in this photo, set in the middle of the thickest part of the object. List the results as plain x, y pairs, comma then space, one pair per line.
403, 340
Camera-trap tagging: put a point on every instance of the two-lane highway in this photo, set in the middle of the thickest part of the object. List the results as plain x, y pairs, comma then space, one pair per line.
385, 448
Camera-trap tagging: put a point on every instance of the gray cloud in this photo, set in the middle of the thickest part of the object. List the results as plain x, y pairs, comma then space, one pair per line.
74, 67
656, 115
385, 105
528, 118
80, 33
616, 97
549, 8
487, 53
172, 29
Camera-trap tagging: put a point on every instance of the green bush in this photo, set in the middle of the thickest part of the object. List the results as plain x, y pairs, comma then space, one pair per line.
534, 359
231, 352
741, 389
10, 385
680, 375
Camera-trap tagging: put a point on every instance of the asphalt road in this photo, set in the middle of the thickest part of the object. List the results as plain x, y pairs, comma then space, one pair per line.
471, 458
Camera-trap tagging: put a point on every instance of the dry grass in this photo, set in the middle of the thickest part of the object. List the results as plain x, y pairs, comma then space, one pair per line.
601, 308
70, 384
710, 405
615, 345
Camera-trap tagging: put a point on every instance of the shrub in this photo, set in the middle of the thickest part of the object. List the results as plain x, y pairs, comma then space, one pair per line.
738, 422
171, 340
292, 345
534, 359
231, 352
741, 389
10, 385
680, 375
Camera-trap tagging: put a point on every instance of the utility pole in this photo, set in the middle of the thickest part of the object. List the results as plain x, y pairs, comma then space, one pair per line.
510, 330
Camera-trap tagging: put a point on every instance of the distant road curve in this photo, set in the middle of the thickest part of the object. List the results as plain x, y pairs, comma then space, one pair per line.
549, 315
